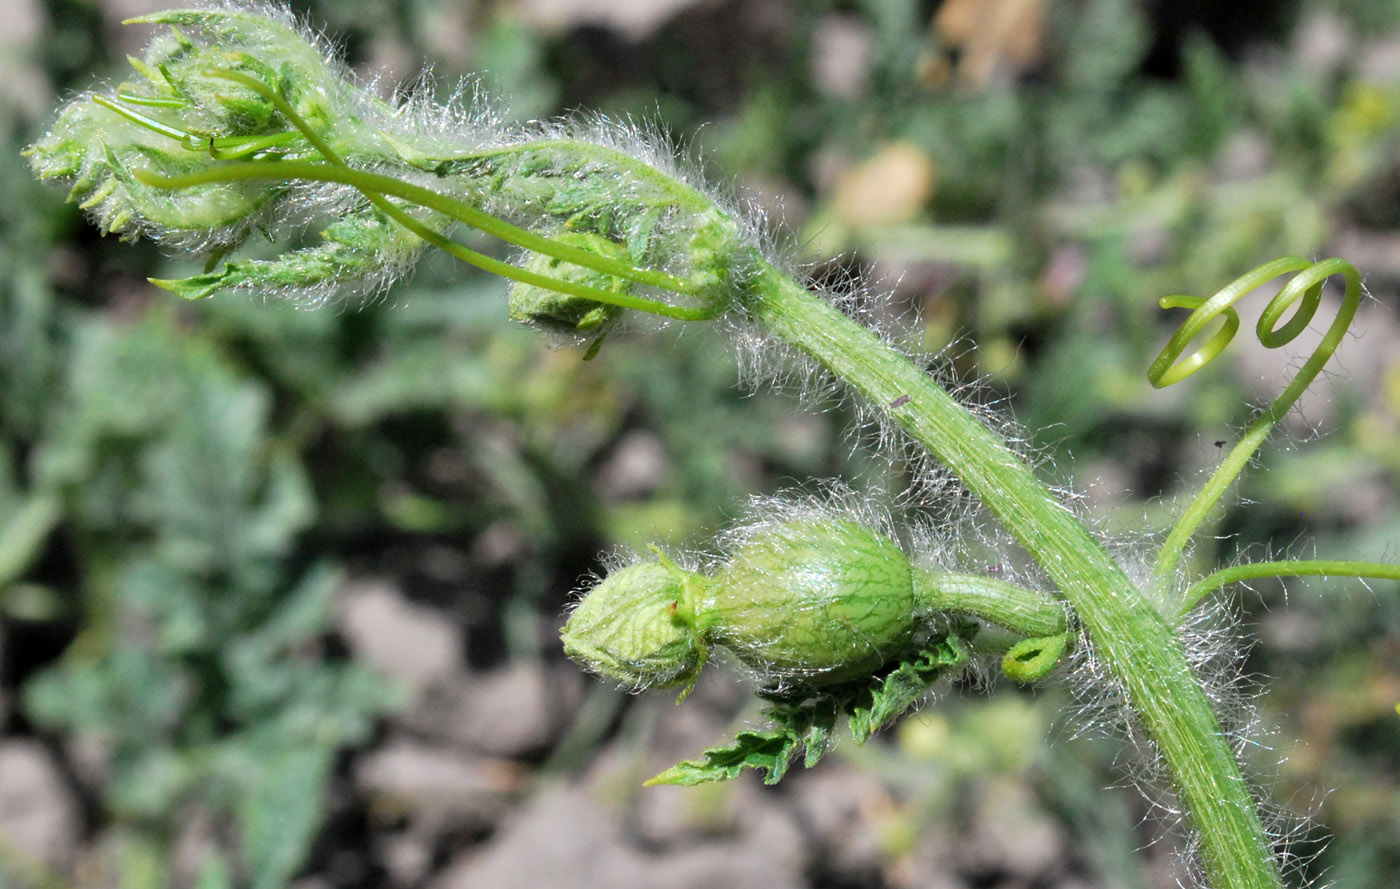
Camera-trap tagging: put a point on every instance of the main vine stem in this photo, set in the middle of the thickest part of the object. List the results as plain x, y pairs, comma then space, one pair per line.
1138, 645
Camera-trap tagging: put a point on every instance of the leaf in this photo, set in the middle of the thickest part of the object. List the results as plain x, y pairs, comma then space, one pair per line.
891, 696
213, 873
281, 812
361, 253
819, 734
25, 523
806, 719
771, 751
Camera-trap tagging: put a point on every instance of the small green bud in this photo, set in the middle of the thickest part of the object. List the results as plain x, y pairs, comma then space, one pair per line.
638, 627
99, 152
563, 312
712, 251
814, 602
185, 67
804, 603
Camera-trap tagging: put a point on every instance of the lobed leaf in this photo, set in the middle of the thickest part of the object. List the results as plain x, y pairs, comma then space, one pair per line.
805, 721
902, 687
770, 750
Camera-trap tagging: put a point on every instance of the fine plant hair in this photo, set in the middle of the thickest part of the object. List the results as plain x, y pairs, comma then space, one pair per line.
840, 607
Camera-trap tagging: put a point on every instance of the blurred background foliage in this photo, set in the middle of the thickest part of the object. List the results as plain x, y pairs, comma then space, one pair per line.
279, 590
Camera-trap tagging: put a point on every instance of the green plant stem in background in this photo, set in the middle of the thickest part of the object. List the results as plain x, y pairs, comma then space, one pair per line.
1301, 568
1136, 643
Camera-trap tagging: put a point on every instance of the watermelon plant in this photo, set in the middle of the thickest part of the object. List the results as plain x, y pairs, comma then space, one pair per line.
237, 122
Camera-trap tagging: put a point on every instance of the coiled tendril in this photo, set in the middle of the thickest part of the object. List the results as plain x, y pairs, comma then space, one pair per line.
1304, 290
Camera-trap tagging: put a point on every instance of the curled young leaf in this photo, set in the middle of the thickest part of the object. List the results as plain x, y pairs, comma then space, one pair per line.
240, 121
565, 313
184, 114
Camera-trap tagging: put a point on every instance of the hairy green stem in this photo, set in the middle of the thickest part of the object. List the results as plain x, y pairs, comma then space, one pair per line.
1136, 643
678, 194
1024, 611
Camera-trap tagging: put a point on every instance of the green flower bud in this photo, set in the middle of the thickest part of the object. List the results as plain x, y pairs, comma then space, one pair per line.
638, 627
816, 602
805, 603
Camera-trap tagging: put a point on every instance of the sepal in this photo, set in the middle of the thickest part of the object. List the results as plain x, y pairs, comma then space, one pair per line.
565, 313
